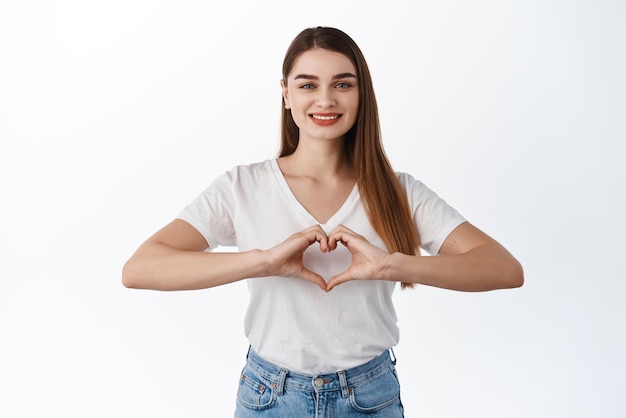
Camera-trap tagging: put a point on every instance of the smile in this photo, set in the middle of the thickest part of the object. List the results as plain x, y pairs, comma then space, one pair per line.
325, 117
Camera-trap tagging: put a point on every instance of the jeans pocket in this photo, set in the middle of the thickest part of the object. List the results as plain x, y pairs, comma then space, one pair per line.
254, 391
379, 392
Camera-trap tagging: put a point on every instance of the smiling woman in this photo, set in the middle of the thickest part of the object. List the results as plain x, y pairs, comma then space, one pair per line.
328, 214
326, 95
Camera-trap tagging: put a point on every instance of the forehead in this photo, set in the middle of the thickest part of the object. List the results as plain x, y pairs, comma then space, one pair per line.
322, 62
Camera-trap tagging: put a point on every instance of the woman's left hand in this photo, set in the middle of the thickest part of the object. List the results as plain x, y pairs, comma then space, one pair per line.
368, 261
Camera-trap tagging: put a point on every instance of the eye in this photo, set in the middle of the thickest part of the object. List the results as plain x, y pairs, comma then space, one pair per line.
307, 86
343, 85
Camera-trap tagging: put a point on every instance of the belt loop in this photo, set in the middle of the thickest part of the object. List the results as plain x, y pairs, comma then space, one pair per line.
393, 356
345, 391
280, 386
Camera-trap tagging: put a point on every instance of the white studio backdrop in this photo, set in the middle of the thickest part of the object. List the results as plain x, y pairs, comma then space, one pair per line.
114, 115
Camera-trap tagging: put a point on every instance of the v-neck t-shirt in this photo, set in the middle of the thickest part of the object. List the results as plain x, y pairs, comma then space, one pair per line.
291, 322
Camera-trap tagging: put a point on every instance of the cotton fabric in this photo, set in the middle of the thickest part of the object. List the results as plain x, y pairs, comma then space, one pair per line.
291, 322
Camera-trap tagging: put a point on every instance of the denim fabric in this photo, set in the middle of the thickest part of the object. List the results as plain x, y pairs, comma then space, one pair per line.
266, 390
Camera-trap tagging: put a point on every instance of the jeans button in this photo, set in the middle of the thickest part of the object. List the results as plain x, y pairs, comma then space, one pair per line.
319, 382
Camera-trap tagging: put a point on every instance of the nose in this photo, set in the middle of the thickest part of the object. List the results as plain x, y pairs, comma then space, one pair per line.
326, 98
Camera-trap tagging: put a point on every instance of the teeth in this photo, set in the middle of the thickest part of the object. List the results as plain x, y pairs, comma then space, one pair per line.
325, 117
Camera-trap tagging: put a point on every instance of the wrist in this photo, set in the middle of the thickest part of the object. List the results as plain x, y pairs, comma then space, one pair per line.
264, 263
387, 270
398, 268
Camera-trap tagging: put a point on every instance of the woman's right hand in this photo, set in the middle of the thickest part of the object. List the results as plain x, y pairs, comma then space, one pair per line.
285, 259
175, 258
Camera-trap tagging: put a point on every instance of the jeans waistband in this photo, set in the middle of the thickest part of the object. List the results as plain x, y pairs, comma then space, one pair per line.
342, 380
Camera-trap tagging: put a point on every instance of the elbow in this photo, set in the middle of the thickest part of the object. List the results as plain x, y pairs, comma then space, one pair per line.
514, 276
130, 278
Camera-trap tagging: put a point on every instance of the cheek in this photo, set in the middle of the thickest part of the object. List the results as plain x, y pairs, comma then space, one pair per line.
357, 101
352, 103
354, 110
299, 106
298, 116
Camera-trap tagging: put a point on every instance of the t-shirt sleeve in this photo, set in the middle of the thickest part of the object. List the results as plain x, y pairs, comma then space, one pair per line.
212, 213
434, 218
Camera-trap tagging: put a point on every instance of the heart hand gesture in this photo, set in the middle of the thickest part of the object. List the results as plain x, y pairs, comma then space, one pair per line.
285, 258
368, 261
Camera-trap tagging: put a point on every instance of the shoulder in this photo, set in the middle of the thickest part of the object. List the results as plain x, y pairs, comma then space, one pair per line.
404, 177
249, 172
417, 192
238, 179
252, 168
410, 183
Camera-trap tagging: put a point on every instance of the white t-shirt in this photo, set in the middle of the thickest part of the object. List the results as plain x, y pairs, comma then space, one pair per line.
291, 322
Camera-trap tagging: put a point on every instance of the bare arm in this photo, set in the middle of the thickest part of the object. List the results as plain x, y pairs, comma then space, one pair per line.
469, 260
175, 258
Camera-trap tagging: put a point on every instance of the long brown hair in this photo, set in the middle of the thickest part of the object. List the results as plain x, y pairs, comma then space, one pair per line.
384, 197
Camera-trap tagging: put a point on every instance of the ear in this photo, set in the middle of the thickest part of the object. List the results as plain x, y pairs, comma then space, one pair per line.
283, 85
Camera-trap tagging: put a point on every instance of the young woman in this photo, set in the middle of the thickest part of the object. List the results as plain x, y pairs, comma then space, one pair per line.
324, 232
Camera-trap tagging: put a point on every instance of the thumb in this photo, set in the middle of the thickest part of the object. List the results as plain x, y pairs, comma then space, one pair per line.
315, 278
338, 279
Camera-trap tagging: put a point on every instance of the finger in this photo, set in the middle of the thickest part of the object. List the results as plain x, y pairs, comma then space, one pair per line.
315, 234
332, 237
340, 278
342, 229
344, 237
322, 238
314, 278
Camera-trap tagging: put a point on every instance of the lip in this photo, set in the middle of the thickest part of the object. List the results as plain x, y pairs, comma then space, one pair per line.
325, 119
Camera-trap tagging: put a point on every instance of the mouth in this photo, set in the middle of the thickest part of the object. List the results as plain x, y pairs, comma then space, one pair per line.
325, 116
325, 119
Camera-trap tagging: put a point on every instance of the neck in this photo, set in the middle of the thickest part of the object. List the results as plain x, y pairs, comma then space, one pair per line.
320, 159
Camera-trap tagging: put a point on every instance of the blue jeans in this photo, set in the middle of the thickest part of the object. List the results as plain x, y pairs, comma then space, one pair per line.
266, 390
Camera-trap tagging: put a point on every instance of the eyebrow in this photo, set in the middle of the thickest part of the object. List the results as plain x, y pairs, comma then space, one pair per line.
314, 77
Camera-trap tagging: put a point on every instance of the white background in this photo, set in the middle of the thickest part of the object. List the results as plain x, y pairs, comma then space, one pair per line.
116, 114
